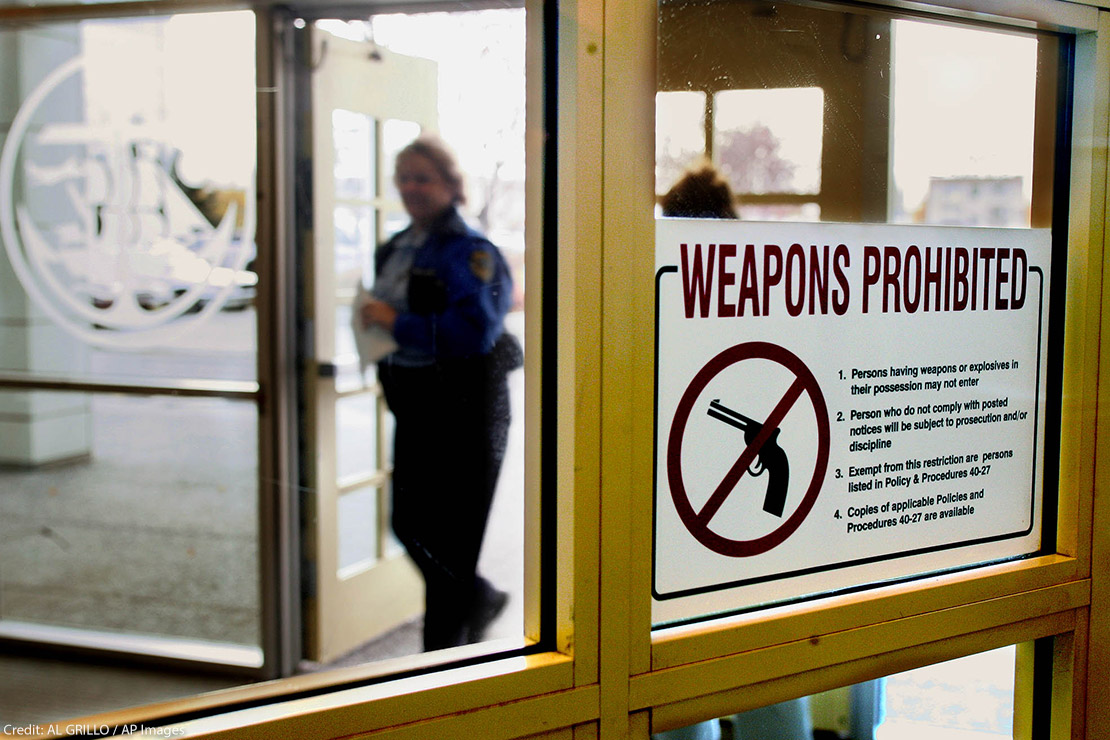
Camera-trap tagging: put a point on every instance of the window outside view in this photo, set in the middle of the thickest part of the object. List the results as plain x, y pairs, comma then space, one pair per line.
961, 111
947, 171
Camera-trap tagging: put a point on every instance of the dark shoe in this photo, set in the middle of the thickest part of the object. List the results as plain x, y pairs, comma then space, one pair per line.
442, 636
488, 605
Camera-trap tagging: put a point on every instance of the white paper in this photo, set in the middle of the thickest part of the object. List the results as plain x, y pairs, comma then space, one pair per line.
372, 343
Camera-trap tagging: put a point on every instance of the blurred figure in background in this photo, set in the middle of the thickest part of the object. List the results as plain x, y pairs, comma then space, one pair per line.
441, 293
702, 192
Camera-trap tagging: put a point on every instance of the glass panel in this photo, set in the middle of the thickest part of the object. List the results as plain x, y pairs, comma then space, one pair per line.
392, 545
679, 135
356, 434
838, 356
396, 134
887, 119
970, 698
127, 218
769, 141
481, 67
963, 117
355, 152
127, 207
358, 528
354, 244
145, 522
355, 234
207, 122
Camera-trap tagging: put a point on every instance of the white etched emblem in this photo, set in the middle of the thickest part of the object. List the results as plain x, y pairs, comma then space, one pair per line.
101, 235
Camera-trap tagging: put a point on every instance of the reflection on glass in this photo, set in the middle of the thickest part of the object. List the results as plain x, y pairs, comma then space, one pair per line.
151, 528
769, 141
819, 114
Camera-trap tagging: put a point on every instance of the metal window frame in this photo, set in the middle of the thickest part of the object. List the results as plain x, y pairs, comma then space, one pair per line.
607, 675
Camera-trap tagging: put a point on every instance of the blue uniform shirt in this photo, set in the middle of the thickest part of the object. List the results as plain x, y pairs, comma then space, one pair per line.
459, 290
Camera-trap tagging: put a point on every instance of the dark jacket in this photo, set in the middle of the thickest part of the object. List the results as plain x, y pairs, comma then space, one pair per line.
459, 292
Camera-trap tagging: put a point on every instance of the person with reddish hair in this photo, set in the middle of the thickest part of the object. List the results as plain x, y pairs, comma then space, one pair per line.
701, 192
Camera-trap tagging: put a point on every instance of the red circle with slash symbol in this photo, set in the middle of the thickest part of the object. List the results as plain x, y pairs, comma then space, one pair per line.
698, 521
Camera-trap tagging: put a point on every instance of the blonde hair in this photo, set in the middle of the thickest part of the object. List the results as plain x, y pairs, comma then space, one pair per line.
433, 149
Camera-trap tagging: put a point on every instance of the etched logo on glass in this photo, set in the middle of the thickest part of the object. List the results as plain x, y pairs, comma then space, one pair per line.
103, 235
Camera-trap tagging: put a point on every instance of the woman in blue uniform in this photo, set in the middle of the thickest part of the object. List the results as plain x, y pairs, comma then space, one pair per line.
442, 290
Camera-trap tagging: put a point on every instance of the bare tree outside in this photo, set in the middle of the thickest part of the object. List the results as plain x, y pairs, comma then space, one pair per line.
751, 161
750, 158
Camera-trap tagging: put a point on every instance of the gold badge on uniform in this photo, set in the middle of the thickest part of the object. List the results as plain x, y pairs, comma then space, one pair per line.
481, 264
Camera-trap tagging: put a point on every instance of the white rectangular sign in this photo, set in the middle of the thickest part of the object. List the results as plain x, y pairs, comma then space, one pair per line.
839, 405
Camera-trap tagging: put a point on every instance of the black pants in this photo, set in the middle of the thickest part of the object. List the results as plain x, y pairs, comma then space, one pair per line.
452, 424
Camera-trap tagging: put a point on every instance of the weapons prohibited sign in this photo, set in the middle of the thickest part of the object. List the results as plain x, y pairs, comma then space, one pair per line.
841, 405
759, 454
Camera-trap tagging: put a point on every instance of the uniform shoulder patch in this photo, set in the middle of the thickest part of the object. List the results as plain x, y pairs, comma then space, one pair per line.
481, 264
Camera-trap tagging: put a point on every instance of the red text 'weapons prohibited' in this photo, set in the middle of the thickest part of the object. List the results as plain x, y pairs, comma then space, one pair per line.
758, 448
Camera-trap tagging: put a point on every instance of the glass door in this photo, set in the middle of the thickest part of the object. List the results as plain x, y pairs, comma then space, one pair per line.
129, 420
364, 584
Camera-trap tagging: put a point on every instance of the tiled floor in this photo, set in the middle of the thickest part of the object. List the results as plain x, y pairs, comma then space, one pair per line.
155, 535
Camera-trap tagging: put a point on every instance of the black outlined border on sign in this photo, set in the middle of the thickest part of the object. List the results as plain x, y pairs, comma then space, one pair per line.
1033, 515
